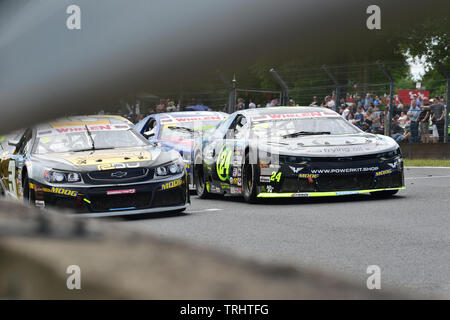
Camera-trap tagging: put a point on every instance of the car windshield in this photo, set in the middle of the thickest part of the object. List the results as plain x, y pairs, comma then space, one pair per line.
185, 130
287, 128
81, 141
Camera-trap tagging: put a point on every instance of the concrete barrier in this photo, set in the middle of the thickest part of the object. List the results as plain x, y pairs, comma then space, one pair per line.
426, 150
36, 247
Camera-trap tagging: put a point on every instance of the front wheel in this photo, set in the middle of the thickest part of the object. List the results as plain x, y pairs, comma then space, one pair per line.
200, 183
28, 193
249, 175
384, 194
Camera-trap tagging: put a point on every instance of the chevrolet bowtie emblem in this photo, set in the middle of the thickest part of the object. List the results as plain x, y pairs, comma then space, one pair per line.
118, 174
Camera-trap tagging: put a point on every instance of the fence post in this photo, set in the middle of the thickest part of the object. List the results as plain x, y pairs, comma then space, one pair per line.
284, 88
388, 124
231, 86
336, 84
447, 77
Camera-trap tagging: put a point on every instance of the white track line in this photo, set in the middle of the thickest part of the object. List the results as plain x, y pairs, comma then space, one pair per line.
414, 167
205, 210
432, 177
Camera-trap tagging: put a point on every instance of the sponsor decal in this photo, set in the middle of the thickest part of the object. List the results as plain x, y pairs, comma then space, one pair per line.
393, 165
215, 189
123, 191
112, 166
237, 172
235, 190
65, 192
276, 176
264, 179
343, 193
39, 203
300, 194
287, 116
345, 170
269, 189
383, 172
81, 129
110, 161
172, 184
308, 175
342, 149
224, 186
223, 163
87, 121
296, 169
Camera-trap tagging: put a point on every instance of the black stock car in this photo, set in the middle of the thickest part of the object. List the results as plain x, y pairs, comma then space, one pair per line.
96, 166
295, 152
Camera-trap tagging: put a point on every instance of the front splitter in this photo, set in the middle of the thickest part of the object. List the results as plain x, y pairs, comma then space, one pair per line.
322, 194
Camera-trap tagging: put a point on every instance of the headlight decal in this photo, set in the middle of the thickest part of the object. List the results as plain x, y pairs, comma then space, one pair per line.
55, 176
170, 169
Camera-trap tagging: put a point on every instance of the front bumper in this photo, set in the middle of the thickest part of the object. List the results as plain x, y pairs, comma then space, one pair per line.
330, 177
322, 194
131, 212
119, 199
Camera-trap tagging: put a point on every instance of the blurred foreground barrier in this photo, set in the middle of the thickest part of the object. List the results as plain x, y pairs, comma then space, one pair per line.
36, 247
426, 150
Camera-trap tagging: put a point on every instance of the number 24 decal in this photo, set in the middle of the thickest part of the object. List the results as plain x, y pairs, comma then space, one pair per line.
275, 176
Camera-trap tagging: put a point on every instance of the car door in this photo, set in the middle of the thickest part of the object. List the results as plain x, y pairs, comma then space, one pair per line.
229, 154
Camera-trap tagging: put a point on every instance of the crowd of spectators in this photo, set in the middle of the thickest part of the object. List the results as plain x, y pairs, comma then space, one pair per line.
422, 120
137, 112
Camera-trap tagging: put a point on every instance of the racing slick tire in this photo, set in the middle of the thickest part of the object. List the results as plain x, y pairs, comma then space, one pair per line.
200, 183
383, 194
28, 194
249, 181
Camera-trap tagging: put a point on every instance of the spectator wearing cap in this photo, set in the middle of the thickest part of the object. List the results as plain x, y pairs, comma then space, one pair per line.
413, 114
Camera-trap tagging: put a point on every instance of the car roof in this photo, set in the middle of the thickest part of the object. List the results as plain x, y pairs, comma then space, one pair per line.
112, 116
286, 109
184, 114
81, 121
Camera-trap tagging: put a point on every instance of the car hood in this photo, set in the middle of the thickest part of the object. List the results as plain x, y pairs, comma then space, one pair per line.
94, 160
329, 145
182, 146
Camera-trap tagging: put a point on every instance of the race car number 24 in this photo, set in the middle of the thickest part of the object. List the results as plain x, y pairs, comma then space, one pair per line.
223, 163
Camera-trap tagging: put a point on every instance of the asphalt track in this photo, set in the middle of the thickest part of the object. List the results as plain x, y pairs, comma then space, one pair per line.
407, 236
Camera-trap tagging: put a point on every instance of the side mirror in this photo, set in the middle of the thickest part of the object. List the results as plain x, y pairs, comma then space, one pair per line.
149, 134
13, 143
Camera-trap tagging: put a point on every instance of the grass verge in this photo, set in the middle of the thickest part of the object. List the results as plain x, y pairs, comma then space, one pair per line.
426, 163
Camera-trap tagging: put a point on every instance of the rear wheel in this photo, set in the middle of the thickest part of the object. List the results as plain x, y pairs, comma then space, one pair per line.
200, 183
249, 175
384, 194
